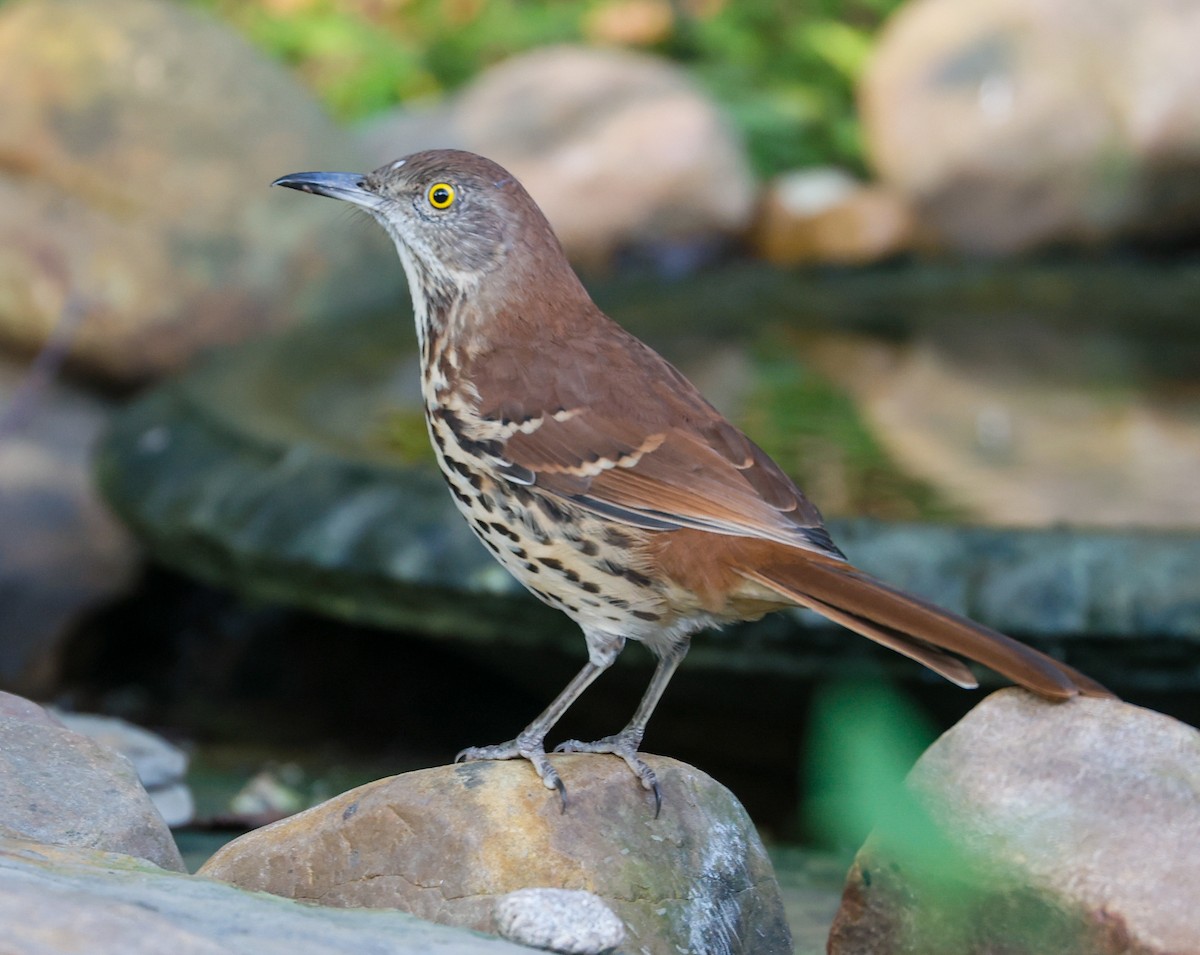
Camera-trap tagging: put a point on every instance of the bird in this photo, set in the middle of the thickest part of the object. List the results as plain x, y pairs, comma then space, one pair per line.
599, 476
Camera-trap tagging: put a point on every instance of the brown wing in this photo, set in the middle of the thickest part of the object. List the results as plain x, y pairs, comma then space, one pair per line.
622, 433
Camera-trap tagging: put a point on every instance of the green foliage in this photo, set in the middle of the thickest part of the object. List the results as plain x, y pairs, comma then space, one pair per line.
953, 895
865, 737
785, 71
403, 433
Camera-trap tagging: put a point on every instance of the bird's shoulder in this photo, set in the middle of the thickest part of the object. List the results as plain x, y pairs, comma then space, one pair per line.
596, 415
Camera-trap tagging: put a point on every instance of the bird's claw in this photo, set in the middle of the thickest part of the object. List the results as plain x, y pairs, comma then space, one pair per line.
627, 748
520, 748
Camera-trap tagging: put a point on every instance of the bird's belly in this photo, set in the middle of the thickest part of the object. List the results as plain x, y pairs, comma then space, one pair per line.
590, 569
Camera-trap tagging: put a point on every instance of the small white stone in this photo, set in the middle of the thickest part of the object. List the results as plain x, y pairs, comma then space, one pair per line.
560, 920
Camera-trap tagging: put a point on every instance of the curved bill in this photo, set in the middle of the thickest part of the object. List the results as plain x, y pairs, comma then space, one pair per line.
349, 186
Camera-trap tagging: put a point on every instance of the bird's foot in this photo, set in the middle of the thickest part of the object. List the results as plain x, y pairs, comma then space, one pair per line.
523, 747
625, 745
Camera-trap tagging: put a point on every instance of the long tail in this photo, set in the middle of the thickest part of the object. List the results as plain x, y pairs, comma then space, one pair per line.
919, 629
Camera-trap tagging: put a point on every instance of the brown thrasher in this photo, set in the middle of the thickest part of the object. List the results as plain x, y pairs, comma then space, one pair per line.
598, 475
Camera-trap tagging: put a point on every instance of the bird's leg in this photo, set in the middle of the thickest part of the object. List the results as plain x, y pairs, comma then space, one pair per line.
625, 743
530, 743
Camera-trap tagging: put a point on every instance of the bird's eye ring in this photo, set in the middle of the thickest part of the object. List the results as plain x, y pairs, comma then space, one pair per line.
441, 195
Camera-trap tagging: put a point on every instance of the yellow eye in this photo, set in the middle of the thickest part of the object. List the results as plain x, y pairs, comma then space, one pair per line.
441, 195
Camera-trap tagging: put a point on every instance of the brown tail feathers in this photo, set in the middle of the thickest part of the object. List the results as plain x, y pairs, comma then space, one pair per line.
918, 629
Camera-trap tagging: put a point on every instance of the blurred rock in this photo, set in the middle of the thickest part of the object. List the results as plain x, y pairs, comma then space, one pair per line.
619, 149
272, 793
445, 843
1021, 424
60, 901
1009, 127
1066, 829
561, 920
62, 552
140, 138
60, 788
160, 766
826, 216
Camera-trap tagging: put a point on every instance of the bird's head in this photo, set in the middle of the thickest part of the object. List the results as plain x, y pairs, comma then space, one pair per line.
459, 220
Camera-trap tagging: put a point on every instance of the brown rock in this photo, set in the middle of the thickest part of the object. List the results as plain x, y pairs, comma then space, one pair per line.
1011, 127
815, 216
444, 843
139, 139
1062, 828
60, 788
619, 149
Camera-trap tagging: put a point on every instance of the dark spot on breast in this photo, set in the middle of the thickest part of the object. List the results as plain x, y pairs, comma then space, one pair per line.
617, 537
465, 498
552, 509
457, 464
639, 580
551, 563
535, 529
505, 530
519, 552
619, 570
485, 501
571, 575
589, 548
490, 546
532, 567
590, 587
646, 615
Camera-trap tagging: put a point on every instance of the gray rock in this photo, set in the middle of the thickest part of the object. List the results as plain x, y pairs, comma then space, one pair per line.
63, 553
571, 123
445, 843
1067, 829
60, 901
139, 187
1011, 128
60, 788
175, 803
156, 761
562, 920
160, 766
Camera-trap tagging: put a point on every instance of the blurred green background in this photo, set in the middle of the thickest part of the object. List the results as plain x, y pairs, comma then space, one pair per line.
785, 72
